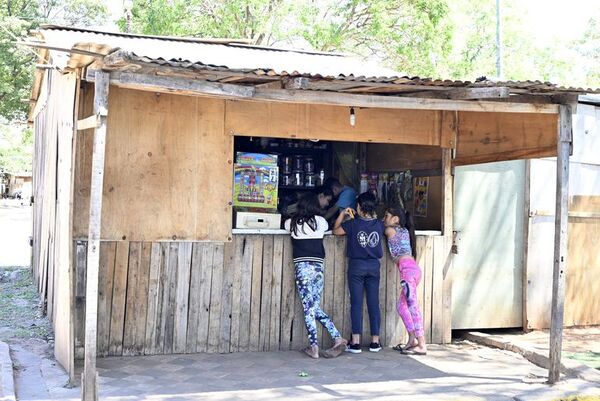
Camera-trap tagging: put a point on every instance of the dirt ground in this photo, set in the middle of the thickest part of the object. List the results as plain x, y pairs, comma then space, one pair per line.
22, 323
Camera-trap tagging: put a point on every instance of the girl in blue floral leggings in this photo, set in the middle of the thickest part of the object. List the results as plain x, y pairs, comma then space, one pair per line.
307, 228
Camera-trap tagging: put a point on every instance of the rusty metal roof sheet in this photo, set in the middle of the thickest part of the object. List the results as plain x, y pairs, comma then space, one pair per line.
235, 56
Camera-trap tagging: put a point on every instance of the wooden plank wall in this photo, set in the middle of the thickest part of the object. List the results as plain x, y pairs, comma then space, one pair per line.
53, 185
187, 297
163, 153
582, 303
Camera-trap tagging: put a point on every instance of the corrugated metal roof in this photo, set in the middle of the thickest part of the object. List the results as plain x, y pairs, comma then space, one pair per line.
224, 55
231, 56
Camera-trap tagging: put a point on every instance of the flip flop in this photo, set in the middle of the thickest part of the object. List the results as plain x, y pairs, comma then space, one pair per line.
398, 347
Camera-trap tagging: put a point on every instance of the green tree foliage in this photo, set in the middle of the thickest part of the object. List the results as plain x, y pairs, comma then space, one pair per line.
260, 21
17, 18
411, 35
588, 47
16, 148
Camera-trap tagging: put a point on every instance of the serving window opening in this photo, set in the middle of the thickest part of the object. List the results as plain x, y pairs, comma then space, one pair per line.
270, 175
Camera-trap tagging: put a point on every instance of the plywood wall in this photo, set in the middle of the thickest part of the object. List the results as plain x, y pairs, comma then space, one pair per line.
168, 171
486, 137
303, 121
385, 157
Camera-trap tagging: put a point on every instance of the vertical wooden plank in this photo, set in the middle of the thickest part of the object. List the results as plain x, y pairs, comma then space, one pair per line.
255, 300
246, 292
447, 290
392, 320
565, 138
208, 252
105, 292
276, 289
437, 317
339, 281
447, 191
195, 296
89, 379
154, 300
341, 266
131, 312
117, 315
288, 290
141, 301
425, 260
328, 293
226, 296
182, 291
170, 301
265, 297
239, 242
216, 293
447, 226
80, 265
163, 297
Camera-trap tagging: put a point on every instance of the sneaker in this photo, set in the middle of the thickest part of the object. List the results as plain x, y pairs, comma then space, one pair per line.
353, 348
374, 347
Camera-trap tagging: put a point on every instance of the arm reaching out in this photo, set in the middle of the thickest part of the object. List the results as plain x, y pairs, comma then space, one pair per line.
337, 226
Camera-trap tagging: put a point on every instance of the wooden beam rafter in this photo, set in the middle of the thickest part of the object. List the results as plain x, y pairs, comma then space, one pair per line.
193, 87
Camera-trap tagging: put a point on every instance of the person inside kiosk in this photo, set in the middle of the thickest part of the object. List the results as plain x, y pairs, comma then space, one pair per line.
345, 197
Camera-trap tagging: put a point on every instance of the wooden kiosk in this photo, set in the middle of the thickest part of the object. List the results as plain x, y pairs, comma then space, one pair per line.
134, 247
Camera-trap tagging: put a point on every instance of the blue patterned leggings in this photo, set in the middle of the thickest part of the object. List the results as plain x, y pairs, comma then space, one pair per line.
309, 282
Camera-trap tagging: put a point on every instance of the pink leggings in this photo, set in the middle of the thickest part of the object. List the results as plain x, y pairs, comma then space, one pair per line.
408, 306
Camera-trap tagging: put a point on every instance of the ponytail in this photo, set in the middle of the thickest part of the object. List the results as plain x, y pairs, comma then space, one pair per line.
410, 226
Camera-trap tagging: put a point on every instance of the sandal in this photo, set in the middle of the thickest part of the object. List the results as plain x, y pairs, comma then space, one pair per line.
398, 347
336, 350
312, 352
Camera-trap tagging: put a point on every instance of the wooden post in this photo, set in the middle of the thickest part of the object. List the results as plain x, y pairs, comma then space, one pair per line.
89, 383
447, 231
448, 191
560, 240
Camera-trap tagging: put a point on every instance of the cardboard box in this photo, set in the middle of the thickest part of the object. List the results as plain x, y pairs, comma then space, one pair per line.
254, 220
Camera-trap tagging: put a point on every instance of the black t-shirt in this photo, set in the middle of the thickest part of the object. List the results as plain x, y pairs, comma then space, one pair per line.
364, 238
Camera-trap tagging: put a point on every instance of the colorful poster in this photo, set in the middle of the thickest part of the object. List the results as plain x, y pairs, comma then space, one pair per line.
421, 189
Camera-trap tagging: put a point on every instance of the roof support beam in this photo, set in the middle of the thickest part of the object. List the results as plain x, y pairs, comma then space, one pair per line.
89, 378
192, 87
561, 224
465, 93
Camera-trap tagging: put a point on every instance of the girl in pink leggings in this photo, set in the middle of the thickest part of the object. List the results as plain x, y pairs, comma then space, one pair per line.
401, 239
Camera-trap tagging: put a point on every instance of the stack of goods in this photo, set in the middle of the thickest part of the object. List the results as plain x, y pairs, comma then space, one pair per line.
300, 171
255, 190
389, 188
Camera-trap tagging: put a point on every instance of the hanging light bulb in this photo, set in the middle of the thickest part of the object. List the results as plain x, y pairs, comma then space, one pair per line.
352, 117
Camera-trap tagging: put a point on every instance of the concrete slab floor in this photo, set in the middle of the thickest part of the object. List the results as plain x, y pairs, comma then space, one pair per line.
455, 372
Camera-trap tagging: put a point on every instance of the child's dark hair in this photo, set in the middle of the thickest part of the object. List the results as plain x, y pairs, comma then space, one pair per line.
324, 190
406, 221
308, 210
367, 202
